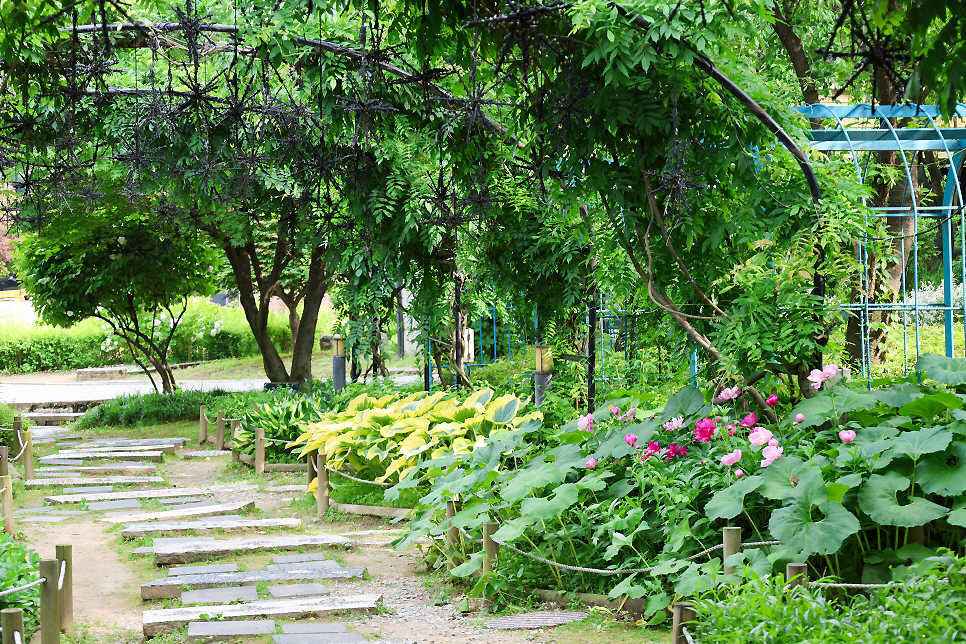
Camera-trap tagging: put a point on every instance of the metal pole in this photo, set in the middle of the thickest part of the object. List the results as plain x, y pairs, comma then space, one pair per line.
796, 574
338, 372
541, 382
11, 621
731, 542
259, 450
491, 549
6, 482
681, 615
49, 602
202, 427
65, 554
220, 431
323, 492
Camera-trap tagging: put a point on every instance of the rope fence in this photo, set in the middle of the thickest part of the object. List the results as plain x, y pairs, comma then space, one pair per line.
687, 635
23, 446
352, 478
19, 589
63, 571
16, 638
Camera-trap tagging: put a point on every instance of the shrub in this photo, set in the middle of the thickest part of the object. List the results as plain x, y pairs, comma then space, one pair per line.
19, 565
150, 408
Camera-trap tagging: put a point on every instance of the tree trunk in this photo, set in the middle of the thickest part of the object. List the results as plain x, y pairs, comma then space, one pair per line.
303, 343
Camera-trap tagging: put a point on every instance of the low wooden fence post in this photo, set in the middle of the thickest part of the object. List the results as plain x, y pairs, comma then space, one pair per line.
220, 431
4, 460
491, 549
65, 555
6, 482
453, 539
11, 621
310, 466
27, 460
259, 450
202, 426
323, 491
235, 426
796, 574
682, 614
731, 545
49, 602
17, 436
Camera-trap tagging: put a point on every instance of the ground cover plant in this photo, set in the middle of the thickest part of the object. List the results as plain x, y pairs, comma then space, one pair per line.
19, 565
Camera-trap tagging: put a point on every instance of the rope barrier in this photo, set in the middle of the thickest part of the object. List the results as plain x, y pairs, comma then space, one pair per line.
16, 638
18, 589
2, 490
860, 586
760, 543
275, 440
63, 571
687, 635
352, 478
23, 446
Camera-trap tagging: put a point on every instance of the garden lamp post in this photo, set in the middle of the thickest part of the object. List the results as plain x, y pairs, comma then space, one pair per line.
543, 373
338, 363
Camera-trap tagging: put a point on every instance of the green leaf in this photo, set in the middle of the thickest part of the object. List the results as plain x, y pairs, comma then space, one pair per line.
943, 369
932, 405
898, 395
471, 565
819, 408
878, 498
924, 441
728, 503
777, 477
796, 528
684, 403
944, 473
502, 410
537, 477
958, 514
545, 509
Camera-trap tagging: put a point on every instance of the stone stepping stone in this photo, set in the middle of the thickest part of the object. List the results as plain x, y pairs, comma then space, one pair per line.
172, 587
133, 442
94, 489
183, 512
120, 504
170, 554
298, 590
45, 518
286, 488
180, 499
69, 513
40, 510
138, 530
318, 638
125, 494
125, 468
302, 566
220, 595
207, 453
201, 570
168, 620
301, 558
59, 461
196, 504
225, 631
175, 542
167, 448
59, 475
113, 480
331, 627
151, 455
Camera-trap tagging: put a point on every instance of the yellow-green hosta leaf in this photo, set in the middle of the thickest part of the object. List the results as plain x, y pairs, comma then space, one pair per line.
413, 442
385, 400
402, 462
429, 402
467, 411
534, 417
448, 430
480, 397
360, 403
405, 426
440, 451
377, 418
503, 409
462, 446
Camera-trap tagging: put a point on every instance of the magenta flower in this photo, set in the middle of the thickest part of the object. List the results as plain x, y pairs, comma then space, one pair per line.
674, 450
675, 423
652, 448
770, 453
706, 425
629, 415
739, 473
799, 418
591, 463
631, 439
846, 435
704, 431
760, 436
729, 393
749, 421
586, 423
732, 458
615, 410
772, 400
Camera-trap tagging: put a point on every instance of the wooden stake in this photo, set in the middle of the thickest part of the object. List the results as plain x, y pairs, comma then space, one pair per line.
17, 436
796, 574
11, 619
49, 602
731, 542
220, 431
4, 460
6, 482
323, 492
491, 549
235, 426
259, 450
28, 457
65, 553
202, 426
310, 461
682, 614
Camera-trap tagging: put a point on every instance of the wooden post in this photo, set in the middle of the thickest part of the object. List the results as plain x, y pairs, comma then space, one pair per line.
796, 574
917, 534
202, 427
66, 598
323, 492
220, 431
6, 482
11, 619
49, 602
310, 463
17, 429
28, 457
681, 615
453, 533
4, 460
731, 542
259, 450
235, 426
491, 549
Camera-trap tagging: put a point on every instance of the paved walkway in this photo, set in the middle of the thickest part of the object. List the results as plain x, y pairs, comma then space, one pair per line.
12, 392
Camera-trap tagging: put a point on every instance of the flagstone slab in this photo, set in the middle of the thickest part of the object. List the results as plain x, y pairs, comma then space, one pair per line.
69, 512
40, 510
59, 461
207, 453
314, 627
113, 480
301, 566
224, 631
172, 587
167, 448
298, 590
139, 530
143, 455
133, 442
170, 542
45, 518
94, 489
183, 512
299, 558
58, 475
286, 488
180, 499
198, 551
318, 638
120, 504
220, 595
168, 620
201, 570
127, 469
123, 494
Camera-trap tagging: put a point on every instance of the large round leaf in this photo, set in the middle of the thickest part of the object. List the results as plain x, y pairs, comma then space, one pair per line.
932, 405
503, 409
779, 478
948, 371
898, 395
823, 406
728, 503
879, 499
799, 526
944, 472
916, 444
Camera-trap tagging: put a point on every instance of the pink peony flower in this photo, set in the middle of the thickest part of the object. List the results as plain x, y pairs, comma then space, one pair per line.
739, 473
770, 453
652, 448
799, 418
729, 393
819, 376
846, 435
586, 423
675, 423
732, 458
703, 433
703, 461
674, 450
631, 439
706, 425
750, 420
629, 415
772, 400
615, 410
760, 436
591, 463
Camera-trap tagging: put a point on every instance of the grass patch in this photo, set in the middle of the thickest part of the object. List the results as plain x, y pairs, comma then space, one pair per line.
354, 493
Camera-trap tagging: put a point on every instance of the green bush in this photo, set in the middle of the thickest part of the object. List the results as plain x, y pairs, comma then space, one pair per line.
147, 409
354, 493
19, 566
25, 349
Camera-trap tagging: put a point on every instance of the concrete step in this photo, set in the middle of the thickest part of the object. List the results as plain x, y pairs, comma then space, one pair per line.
182, 513
139, 530
225, 631
201, 570
297, 590
314, 627
318, 638
301, 566
197, 552
100, 470
168, 620
141, 455
299, 558
58, 418
124, 494
171, 587
120, 504
132, 442
219, 595
100, 480
167, 448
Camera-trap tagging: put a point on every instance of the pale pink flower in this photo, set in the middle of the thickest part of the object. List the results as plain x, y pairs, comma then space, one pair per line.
819, 376
631, 439
675, 423
591, 463
847, 435
739, 473
732, 458
760, 436
799, 418
729, 393
586, 423
770, 453
629, 415
615, 410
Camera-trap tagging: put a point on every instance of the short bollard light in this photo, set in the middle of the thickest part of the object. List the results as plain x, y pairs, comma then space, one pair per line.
543, 373
338, 363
